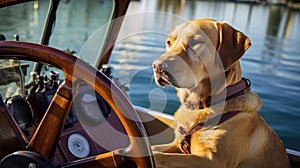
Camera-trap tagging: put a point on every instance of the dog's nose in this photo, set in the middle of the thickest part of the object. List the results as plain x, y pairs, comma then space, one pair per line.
159, 66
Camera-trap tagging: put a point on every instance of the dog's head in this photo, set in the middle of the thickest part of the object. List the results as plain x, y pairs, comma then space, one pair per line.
197, 50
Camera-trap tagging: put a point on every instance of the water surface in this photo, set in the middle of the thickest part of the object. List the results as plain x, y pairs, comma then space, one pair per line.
272, 63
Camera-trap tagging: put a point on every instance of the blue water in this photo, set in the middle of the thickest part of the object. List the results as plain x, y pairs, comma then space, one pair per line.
272, 63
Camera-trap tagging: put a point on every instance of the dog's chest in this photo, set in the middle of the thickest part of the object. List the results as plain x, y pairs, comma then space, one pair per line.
187, 117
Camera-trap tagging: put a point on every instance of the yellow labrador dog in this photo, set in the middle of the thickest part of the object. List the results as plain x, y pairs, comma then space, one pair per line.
218, 124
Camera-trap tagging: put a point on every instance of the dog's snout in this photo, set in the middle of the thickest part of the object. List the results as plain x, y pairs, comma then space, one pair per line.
160, 66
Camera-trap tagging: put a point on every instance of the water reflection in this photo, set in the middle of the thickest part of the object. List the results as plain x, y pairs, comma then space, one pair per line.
82, 19
75, 21
274, 21
279, 19
28, 20
171, 6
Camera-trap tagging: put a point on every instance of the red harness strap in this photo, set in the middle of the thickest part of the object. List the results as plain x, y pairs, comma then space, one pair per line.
186, 134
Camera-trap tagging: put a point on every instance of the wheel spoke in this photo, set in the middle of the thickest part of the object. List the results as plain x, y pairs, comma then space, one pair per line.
45, 138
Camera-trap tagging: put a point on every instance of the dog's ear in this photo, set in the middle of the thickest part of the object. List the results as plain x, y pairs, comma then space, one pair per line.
232, 44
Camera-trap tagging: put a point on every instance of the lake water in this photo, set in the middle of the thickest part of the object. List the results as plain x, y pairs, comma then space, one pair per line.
272, 63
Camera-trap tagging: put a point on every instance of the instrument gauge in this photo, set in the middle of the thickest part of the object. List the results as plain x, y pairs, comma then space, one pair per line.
21, 111
78, 145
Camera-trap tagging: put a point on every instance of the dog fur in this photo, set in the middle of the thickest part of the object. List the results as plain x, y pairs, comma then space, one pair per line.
201, 60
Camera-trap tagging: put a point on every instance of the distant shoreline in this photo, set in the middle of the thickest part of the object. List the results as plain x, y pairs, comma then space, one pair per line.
292, 5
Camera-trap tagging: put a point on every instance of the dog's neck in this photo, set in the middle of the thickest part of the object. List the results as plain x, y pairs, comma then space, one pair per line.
233, 74
228, 93
200, 96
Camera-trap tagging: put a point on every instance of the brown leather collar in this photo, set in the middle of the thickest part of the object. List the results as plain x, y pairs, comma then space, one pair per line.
230, 92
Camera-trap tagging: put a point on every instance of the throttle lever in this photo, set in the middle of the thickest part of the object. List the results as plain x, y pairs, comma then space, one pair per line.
22, 77
17, 37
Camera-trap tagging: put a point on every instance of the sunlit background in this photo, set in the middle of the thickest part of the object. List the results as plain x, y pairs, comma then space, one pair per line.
272, 63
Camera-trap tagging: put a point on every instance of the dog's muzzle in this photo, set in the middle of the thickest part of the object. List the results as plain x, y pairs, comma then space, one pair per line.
162, 76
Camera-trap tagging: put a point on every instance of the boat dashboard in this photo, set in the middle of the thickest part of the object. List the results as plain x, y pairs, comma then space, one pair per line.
90, 108
91, 128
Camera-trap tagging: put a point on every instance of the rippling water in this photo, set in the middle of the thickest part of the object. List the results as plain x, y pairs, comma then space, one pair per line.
272, 63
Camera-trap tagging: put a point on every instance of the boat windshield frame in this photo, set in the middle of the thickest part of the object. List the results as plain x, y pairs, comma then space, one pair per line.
119, 8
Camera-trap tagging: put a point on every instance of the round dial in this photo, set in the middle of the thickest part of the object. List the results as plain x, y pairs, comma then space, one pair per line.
78, 145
